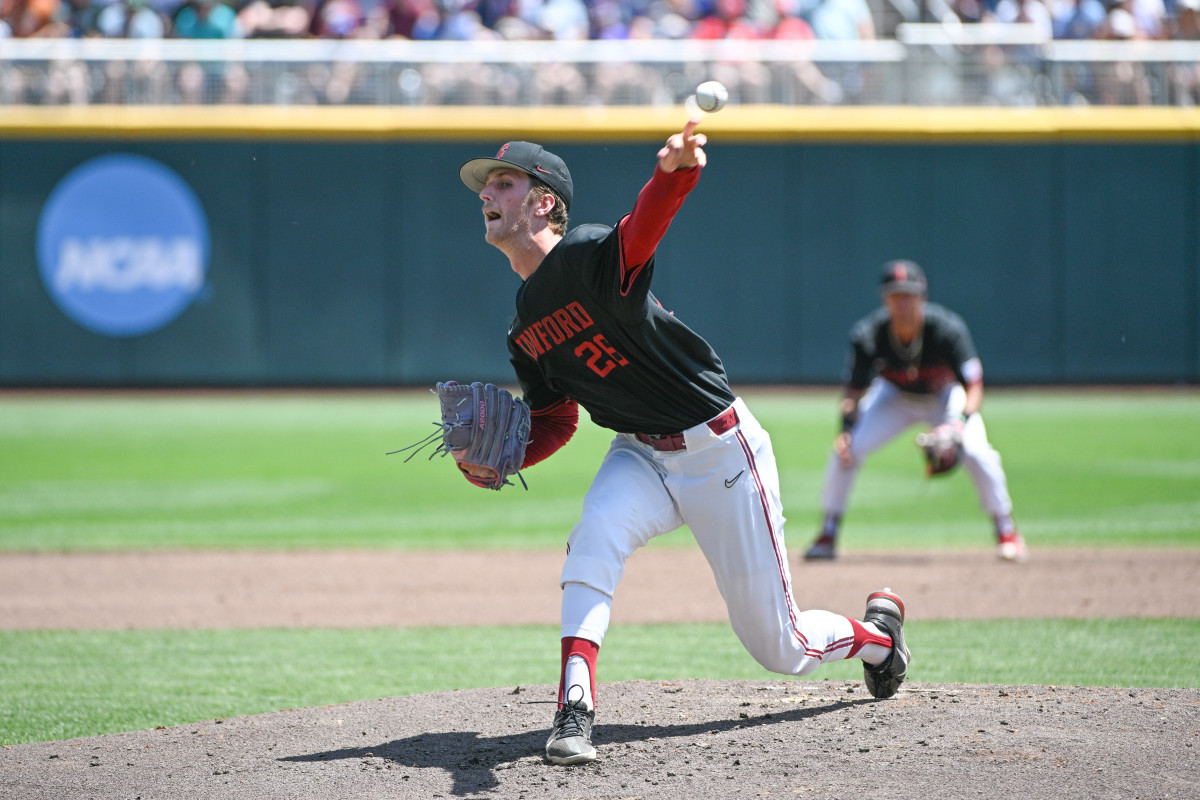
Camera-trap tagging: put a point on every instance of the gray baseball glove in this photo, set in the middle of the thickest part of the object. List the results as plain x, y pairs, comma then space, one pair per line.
942, 447
484, 426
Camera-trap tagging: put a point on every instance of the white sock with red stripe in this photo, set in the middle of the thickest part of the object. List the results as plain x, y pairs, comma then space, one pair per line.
870, 644
578, 671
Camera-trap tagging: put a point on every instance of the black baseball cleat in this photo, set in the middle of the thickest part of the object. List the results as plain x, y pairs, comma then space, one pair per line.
571, 740
823, 549
886, 611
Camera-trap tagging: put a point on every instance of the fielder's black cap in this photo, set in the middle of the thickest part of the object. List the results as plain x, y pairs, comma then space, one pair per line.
530, 158
903, 276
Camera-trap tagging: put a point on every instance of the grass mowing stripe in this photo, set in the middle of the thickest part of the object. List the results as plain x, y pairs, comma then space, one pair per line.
57, 685
130, 471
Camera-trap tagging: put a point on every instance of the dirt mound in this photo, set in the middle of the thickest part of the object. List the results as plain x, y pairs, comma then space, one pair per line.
686, 739
690, 739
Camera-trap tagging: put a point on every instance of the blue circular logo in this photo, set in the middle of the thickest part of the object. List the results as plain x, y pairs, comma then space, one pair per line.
123, 245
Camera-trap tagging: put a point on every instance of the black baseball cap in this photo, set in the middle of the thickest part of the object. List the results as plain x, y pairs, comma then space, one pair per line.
904, 276
532, 159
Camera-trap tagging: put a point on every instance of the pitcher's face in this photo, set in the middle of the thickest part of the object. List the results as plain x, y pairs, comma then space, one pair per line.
506, 214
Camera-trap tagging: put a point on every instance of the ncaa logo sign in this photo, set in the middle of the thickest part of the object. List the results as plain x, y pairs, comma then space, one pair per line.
122, 245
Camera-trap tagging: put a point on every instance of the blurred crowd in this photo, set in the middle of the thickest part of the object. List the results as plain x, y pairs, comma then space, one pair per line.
992, 75
439, 19
1091, 19
570, 19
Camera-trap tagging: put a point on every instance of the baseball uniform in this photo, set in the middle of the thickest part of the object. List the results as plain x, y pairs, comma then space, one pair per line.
686, 451
902, 384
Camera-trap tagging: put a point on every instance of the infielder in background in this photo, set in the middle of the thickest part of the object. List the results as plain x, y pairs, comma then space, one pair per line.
912, 362
589, 332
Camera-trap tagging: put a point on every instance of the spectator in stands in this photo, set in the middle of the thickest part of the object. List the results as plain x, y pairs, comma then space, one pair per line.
765, 14
33, 18
274, 19
669, 19
1119, 25
1150, 16
727, 20
1030, 12
564, 20
412, 19
79, 16
842, 20
336, 19
492, 11
1185, 25
132, 19
1134, 20
169, 8
453, 20
970, 11
1078, 19
791, 23
207, 19
607, 20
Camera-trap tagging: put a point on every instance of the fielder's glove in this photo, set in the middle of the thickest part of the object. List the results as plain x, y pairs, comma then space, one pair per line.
484, 426
942, 447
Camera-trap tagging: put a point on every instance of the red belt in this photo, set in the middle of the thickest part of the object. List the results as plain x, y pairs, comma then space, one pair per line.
670, 442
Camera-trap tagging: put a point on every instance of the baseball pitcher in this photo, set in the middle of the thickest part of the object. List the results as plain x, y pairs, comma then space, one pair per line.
687, 451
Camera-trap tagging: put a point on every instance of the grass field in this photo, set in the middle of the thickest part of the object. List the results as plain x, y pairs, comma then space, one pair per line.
58, 685
229, 470
302, 470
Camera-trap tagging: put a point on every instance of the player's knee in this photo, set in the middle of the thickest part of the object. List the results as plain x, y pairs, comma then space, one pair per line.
781, 659
772, 661
768, 642
601, 574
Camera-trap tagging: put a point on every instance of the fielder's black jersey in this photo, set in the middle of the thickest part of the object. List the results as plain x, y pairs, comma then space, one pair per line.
943, 354
633, 366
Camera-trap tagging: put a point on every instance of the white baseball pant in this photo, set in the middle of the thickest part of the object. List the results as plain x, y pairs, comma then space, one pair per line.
725, 488
885, 412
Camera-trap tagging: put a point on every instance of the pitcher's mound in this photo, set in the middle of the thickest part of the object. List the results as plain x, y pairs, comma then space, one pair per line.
689, 740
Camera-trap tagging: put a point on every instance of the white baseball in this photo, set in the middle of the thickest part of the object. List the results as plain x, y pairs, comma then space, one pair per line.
711, 96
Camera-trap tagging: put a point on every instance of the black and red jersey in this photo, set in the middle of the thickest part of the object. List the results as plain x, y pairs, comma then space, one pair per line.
943, 354
587, 329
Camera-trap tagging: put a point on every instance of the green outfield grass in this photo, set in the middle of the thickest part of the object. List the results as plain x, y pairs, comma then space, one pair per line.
86, 471
228, 470
57, 685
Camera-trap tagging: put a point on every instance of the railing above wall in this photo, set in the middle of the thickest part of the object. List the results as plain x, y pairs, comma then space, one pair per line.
926, 65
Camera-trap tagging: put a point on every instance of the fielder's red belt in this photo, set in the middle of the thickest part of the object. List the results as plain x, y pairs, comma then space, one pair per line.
670, 442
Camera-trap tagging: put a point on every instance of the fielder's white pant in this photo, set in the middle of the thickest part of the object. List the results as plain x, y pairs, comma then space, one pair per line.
885, 412
726, 490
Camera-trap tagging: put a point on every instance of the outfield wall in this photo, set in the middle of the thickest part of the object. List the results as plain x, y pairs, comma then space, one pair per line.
338, 247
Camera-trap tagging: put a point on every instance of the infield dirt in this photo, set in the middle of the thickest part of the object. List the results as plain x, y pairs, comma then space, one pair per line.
682, 739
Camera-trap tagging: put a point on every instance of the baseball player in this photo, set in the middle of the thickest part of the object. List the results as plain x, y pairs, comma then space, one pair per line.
912, 362
687, 451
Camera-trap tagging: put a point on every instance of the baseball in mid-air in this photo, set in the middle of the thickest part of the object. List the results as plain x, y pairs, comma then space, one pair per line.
711, 96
